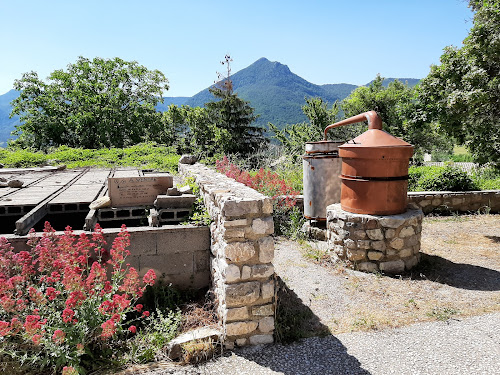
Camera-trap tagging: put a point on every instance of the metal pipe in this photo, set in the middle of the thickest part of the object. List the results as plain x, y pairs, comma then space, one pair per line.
374, 121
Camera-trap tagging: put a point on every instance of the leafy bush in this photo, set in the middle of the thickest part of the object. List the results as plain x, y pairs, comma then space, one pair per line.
486, 178
60, 306
446, 178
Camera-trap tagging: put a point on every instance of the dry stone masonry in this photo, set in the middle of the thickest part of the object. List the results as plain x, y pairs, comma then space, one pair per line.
486, 201
242, 249
372, 243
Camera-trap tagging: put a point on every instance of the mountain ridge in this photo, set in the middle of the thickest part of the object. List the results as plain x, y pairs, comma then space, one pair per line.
273, 90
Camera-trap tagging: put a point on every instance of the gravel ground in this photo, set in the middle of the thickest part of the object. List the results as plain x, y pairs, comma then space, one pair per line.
455, 347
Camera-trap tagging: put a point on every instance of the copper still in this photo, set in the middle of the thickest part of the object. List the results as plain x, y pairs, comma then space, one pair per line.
374, 177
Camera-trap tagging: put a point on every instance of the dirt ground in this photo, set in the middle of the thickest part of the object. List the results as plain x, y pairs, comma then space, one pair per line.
459, 275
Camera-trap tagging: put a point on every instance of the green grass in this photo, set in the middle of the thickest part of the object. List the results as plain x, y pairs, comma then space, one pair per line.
144, 155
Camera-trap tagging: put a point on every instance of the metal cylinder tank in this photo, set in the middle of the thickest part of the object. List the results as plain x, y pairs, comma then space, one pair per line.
374, 169
321, 170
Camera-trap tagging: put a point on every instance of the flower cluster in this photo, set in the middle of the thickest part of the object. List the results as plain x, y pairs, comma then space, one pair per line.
68, 295
264, 181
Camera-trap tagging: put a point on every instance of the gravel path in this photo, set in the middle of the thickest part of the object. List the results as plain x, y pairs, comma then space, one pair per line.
454, 347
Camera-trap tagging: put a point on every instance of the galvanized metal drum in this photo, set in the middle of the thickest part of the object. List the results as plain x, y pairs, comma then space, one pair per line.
321, 170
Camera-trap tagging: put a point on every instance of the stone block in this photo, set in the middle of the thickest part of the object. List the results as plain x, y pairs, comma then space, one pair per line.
246, 272
367, 267
359, 234
375, 255
267, 289
266, 249
240, 328
412, 241
232, 233
262, 270
235, 223
263, 226
406, 252
240, 251
392, 221
397, 243
356, 255
261, 339
390, 233
375, 234
267, 206
406, 232
264, 310
242, 294
233, 208
266, 324
137, 190
424, 203
371, 224
233, 273
238, 313
241, 342
378, 245
394, 266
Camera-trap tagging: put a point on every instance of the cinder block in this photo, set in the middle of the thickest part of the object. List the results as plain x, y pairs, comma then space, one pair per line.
180, 239
142, 243
170, 201
170, 264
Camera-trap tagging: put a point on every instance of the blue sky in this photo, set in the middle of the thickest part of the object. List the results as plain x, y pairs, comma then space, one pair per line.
321, 41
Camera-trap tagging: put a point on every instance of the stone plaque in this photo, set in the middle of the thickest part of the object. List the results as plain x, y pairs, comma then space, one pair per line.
138, 190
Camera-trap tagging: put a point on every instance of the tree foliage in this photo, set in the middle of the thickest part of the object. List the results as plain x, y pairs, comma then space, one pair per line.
463, 92
232, 118
94, 103
401, 113
293, 137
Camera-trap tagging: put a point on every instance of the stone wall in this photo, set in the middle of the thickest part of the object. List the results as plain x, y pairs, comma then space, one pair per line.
389, 243
242, 253
181, 254
456, 201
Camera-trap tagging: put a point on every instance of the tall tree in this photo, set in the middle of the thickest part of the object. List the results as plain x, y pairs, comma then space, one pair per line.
400, 112
463, 92
95, 103
233, 117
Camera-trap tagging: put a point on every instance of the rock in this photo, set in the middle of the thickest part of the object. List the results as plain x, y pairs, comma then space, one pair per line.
1, 165
173, 192
61, 167
188, 159
3, 184
3, 179
174, 347
15, 183
100, 203
186, 190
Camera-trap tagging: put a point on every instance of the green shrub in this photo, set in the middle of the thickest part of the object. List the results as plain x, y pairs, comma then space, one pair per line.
446, 178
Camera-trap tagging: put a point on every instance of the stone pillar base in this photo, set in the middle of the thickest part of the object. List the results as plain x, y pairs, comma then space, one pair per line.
390, 244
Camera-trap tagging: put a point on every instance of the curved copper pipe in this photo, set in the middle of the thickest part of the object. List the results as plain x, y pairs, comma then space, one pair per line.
374, 121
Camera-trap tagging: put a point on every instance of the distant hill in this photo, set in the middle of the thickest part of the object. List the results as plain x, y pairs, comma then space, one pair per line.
272, 89
7, 125
275, 92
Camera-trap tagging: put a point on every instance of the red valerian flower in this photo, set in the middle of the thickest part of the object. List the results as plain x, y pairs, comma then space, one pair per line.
149, 278
108, 329
67, 315
36, 339
58, 336
132, 329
